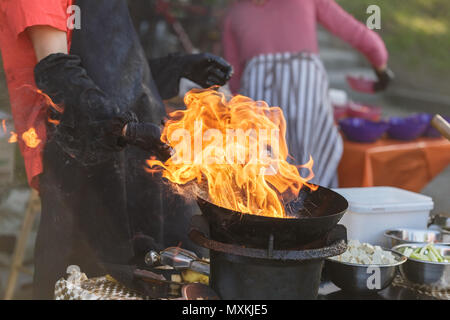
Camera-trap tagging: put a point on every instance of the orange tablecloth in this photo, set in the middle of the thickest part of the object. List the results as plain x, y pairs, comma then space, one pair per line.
407, 165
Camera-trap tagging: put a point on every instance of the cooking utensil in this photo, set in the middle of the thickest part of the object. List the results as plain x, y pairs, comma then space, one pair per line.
362, 278
431, 131
314, 215
435, 274
401, 236
441, 125
178, 258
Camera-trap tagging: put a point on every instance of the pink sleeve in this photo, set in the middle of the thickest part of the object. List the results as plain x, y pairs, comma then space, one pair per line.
346, 27
231, 54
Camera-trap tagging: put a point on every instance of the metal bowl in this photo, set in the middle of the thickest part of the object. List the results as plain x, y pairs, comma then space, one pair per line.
361, 278
434, 274
401, 236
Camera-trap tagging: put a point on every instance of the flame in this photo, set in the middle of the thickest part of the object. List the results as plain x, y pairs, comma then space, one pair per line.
13, 137
54, 121
4, 125
50, 102
233, 152
47, 99
30, 138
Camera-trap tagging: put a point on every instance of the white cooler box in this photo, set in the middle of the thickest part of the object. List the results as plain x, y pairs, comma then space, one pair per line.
373, 210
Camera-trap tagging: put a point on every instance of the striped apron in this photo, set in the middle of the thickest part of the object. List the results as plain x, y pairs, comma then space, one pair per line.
298, 83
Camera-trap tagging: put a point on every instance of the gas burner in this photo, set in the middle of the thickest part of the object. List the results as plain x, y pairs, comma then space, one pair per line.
241, 273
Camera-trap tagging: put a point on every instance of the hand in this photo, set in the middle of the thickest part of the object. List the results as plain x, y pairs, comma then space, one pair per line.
63, 78
85, 125
147, 136
385, 76
206, 69
112, 132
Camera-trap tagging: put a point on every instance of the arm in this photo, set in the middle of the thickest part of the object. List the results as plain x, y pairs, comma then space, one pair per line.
231, 54
346, 27
47, 40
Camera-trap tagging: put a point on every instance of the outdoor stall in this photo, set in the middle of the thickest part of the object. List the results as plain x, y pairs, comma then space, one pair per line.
188, 150
318, 243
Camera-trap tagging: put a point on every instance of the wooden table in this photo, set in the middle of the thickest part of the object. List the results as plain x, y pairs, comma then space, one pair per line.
407, 165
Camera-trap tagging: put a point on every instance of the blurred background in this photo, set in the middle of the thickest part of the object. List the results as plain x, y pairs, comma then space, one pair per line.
416, 33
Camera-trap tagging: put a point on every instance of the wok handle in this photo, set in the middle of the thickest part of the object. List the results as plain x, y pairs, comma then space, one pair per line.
441, 125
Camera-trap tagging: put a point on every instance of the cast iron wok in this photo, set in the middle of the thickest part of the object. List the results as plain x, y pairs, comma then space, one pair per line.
314, 214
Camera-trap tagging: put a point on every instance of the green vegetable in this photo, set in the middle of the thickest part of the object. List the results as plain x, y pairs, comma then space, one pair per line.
419, 256
425, 253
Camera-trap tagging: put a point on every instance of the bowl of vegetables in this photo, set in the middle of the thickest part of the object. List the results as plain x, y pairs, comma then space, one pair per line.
363, 268
427, 264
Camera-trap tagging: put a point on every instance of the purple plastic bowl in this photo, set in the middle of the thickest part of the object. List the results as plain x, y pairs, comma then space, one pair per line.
363, 130
432, 132
408, 128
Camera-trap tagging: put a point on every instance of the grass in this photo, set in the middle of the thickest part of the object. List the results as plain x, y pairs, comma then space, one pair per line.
416, 33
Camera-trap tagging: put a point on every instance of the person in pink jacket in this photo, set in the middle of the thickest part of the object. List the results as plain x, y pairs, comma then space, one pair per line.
273, 48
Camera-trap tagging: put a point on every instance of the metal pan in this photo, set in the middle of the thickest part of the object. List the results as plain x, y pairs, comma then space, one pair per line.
314, 214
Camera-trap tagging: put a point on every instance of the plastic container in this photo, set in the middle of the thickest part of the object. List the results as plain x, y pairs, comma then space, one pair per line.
408, 128
363, 130
374, 210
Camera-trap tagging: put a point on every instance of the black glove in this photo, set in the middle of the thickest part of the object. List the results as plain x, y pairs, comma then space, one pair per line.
204, 69
86, 107
384, 78
147, 136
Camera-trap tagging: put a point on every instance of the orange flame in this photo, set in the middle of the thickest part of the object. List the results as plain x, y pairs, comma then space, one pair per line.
30, 138
232, 153
54, 121
48, 100
13, 137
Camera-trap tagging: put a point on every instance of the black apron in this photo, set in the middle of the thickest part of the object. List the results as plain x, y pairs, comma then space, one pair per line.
91, 214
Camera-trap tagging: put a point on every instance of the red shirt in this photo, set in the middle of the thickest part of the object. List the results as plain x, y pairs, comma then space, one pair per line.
290, 26
19, 59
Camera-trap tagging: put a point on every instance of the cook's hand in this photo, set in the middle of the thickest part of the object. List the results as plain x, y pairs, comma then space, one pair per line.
206, 69
385, 76
147, 136
112, 131
82, 131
